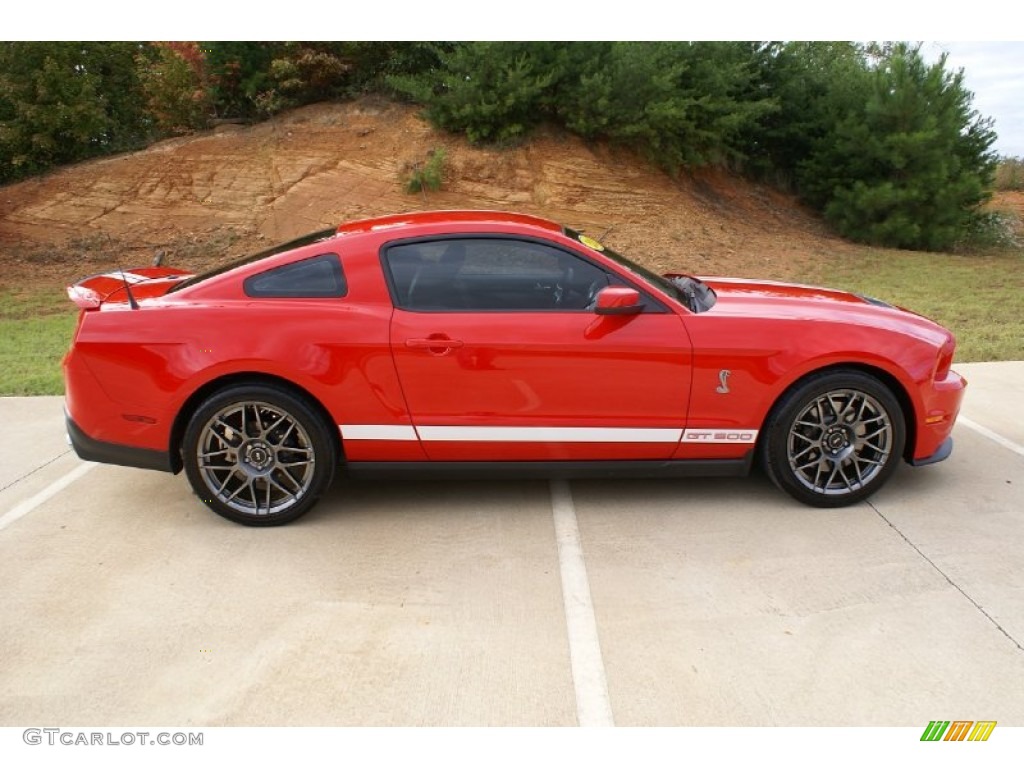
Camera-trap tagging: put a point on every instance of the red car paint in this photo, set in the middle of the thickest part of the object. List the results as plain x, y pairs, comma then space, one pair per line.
402, 385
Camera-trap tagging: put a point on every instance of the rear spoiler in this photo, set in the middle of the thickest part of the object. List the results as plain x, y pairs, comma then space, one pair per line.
124, 287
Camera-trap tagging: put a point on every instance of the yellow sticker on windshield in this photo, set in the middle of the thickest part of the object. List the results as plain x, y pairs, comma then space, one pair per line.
591, 243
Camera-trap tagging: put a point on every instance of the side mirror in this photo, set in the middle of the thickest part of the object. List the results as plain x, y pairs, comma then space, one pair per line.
618, 300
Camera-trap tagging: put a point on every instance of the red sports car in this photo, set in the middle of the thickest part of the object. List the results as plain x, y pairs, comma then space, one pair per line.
484, 342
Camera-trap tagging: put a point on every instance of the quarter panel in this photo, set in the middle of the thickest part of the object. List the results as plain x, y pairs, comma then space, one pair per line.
150, 366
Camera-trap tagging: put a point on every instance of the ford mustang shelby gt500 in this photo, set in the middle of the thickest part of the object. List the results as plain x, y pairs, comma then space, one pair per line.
464, 341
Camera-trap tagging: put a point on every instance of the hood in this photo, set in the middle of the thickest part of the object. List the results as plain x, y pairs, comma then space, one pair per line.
109, 287
765, 298
739, 291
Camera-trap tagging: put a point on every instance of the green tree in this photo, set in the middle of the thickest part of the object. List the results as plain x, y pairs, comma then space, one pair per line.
239, 74
910, 167
490, 91
814, 85
64, 101
683, 104
177, 90
374, 62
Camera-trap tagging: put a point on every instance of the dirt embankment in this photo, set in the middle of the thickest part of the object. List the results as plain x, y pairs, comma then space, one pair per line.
237, 189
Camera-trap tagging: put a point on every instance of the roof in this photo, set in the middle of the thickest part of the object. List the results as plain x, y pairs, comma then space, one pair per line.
447, 217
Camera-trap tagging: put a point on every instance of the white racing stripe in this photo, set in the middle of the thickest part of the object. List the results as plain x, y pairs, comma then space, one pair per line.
377, 432
130, 277
44, 495
994, 436
593, 707
466, 434
549, 434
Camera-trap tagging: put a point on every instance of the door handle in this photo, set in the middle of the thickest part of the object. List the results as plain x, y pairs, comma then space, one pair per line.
436, 344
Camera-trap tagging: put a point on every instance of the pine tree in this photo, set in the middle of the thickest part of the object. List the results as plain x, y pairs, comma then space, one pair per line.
910, 168
491, 91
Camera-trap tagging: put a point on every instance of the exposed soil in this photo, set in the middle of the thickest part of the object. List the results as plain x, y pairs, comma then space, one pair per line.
238, 189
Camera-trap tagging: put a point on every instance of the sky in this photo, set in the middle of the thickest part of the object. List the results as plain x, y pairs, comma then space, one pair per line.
994, 72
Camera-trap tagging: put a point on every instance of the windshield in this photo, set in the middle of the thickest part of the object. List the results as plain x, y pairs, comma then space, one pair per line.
314, 237
662, 283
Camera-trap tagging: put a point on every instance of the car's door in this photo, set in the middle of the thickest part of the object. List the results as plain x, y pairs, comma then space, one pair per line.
502, 358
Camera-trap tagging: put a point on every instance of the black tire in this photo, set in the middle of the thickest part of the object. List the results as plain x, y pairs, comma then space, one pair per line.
834, 438
258, 454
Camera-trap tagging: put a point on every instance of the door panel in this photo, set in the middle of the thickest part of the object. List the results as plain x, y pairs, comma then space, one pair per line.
518, 386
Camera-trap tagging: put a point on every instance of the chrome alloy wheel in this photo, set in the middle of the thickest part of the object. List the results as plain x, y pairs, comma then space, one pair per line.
255, 458
840, 442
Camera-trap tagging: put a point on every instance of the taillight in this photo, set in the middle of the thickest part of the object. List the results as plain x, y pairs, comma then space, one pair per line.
945, 359
86, 298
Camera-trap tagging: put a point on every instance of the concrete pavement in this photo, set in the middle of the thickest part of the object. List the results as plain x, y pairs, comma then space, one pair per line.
716, 602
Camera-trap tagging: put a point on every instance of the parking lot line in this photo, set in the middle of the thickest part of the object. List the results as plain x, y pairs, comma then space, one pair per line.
593, 707
58, 485
994, 436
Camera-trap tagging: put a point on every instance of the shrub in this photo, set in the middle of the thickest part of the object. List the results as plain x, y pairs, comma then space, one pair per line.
304, 73
427, 175
1010, 174
991, 231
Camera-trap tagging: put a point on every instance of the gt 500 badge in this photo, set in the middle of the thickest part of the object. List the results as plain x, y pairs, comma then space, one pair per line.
727, 436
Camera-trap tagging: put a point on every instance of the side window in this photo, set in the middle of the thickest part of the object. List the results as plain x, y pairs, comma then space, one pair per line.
320, 277
494, 274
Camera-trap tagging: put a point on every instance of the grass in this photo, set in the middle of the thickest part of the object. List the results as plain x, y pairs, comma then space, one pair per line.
35, 330
979, 297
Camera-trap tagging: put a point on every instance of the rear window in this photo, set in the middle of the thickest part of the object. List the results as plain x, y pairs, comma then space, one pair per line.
315, 237
320, 277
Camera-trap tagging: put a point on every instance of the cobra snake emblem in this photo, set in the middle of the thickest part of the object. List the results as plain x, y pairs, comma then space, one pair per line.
723, 377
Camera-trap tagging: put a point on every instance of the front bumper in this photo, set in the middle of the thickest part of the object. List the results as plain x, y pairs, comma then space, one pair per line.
89, 449
939, 406
940, 455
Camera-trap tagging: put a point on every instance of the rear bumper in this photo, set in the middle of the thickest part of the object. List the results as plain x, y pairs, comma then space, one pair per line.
113, 453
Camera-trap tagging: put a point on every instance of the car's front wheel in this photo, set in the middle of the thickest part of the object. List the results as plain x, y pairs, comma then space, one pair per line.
834, 439
258, 455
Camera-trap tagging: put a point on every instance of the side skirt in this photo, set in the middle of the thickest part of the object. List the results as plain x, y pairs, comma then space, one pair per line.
555, 469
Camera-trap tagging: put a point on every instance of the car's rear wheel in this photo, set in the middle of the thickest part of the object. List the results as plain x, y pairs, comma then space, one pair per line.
834, 439
258, 455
